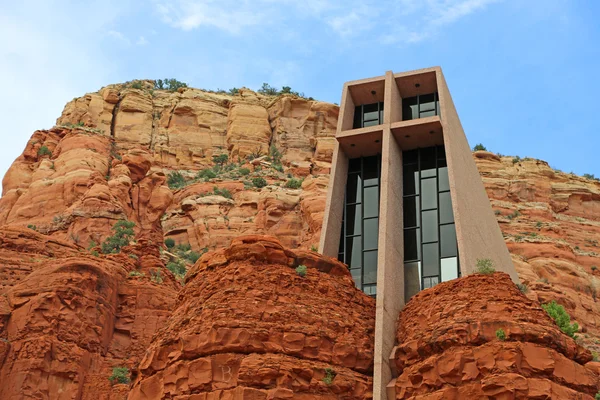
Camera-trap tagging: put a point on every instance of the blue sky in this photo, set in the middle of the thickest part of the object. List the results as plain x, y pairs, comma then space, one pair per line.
522, 73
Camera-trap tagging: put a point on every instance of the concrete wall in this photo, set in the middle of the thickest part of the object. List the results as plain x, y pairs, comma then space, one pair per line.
390, 262
477, 230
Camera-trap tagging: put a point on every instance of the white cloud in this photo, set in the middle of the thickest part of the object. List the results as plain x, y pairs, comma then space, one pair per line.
119, 37
393, 21
141, 41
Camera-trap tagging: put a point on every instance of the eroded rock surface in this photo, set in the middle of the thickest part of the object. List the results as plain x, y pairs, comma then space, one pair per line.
248, 326
449, 346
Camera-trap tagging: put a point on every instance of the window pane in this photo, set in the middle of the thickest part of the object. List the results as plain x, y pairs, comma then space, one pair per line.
410, 157
371, 290
409, 108
443, 177
449, 269
441, 154
371, 114
448, 240
412, 279
411, 211
430, 282
353, 188
354, 165
353, 220
424, 114
356, 275
371, 233
370, 171
371, 123
370, 270
411, 244
427, 102
446, 215
342, 236
431, 259
357, 118
370, 108
411, 179
354, 252
430, 226
371, 202
428, 162
429, 197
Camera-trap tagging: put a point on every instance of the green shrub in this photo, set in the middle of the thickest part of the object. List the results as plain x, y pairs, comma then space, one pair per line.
314, 248
44, 151
170, 243
169, 84
561, 317
183, 247
597, 396
523, 288
259, 182
136, 273
595, 356
123, 235
92, 245
175, 180
293, 183
594, 267
301, 270
136, 85
95, 253
132, 256
33, 227
220, 159
156, 276
233, 91
267, 89
222, 192
485, 266
329, 376
244, 171
119, 375
500, 334
192, 257
177, 268
206, 174
516, 159
479, 147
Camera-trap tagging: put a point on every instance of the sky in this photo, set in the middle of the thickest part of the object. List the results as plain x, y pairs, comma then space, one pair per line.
521, 73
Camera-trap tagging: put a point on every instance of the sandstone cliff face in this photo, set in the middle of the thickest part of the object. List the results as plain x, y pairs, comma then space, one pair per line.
67, 317
449, 349
551, 225
247, 326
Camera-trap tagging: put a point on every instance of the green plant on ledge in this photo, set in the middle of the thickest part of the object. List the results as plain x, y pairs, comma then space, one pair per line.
329, 376
561, 317
119, 375
301, 270
123, 235
485, 266
501, 335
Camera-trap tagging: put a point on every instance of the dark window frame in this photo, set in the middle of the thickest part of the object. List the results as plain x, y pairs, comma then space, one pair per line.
359, 115
408, 102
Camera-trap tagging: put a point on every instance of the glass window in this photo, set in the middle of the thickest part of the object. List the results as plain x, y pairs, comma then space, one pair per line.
354, 252
425, 114
356, 275
443, 177
353, 216
370, 171
431, 259
410, 108
371, 233
446, 214
411, 211
412, 279
354, 165
370, 270
357, 117
448, 240
371, 202
430, 282
427, 102
411, 179
353, 188
430, 226
412, 244
427, 162
449, 269
371, 290
429, 197
371, 123
441, 153
410, 157
371, 112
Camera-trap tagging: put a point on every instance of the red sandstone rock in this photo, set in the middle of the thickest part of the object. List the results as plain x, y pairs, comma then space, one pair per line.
248, 325
448, 346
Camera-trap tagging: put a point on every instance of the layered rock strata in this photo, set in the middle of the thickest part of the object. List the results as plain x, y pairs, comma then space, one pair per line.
478, 337
249, 326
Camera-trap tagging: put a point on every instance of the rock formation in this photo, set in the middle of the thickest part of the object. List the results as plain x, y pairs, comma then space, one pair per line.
69, 315
478, 337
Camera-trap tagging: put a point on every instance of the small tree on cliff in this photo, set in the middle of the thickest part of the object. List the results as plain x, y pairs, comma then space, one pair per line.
561, 317
123, 235
479, 147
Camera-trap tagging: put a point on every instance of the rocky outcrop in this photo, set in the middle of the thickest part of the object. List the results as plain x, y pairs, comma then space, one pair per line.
451, 346
552, 228
248, 326
67, 317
